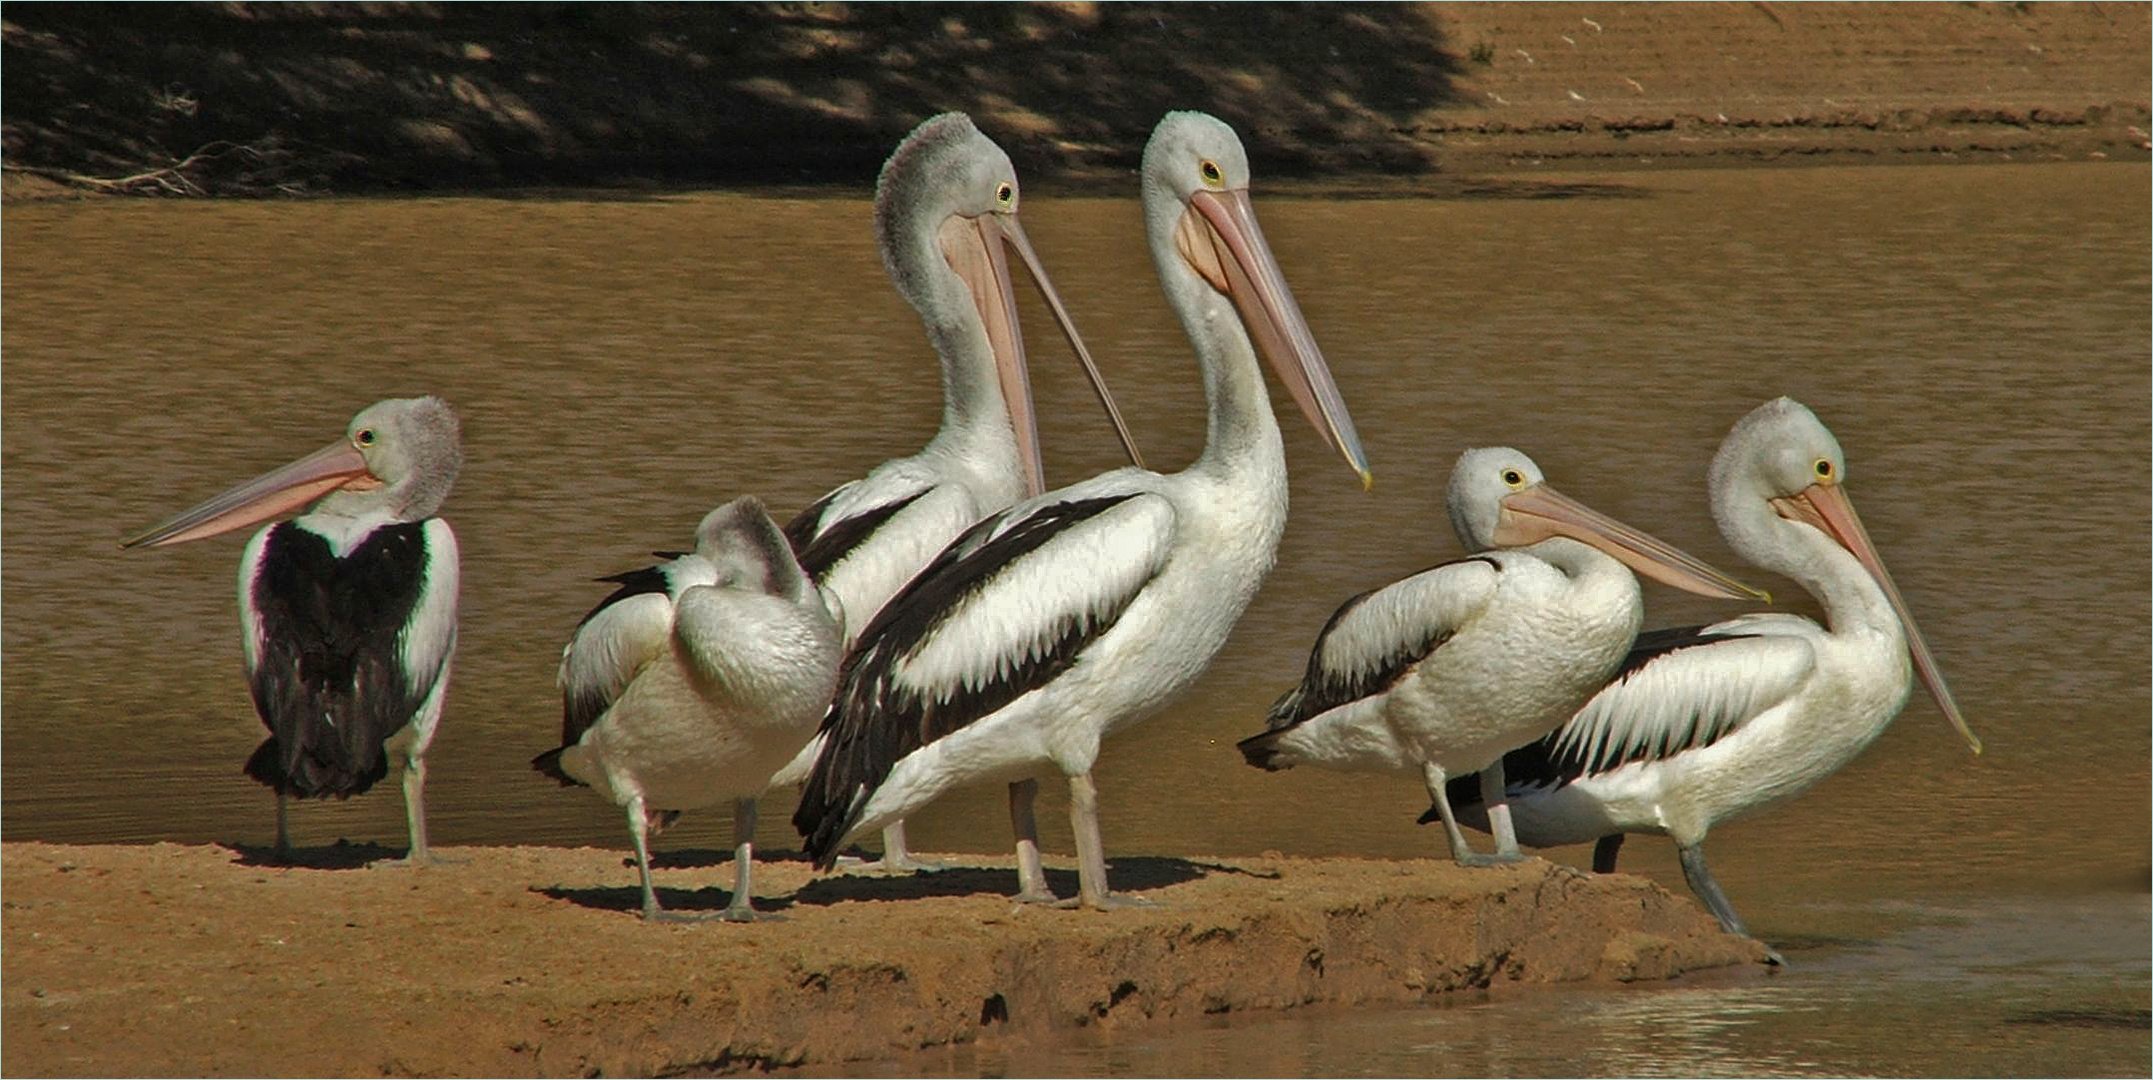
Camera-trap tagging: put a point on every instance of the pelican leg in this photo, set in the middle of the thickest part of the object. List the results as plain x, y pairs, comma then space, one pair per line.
639, 831
742, 908
1715, 901
415, 818
896, 858
1436, 778
1494, 797
1604, 852
284, 833
1031, 875
1091, 854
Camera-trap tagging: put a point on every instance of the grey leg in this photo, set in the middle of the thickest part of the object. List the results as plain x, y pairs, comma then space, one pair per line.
1436, 778
284, 834
415, 819
1493, 796
639, 831
1715, 901
1031, 875
742, 908
1091, 854
896, 858
1604, 852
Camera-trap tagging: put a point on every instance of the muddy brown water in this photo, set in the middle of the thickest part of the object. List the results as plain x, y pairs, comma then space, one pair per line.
1977, 336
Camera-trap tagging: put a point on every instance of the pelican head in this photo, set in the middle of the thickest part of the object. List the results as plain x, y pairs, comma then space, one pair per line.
750, 552
945, 219
399, 457
1197, 210
1500, 499
1780, 478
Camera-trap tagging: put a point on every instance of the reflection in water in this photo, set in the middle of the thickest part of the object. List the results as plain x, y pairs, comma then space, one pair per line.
1976, 336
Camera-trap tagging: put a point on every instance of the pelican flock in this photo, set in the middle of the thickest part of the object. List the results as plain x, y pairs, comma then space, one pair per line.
1442, 672
347, 612
946, 221
1705, 724
947, 620
1075, 613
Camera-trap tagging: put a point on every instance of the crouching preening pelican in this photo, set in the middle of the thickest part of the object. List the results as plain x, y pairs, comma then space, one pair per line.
946, 222
726, 688
1070, 615
347, 612
1442, 672
1707, 723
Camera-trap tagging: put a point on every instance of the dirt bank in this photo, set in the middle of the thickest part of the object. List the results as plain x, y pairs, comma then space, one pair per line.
248, 98
200, 960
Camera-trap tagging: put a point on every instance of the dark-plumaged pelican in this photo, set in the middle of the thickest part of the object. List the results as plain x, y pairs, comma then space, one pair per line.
348, 611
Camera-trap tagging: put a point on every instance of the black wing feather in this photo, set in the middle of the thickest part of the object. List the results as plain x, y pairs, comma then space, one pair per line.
329, 682
825, 549
875, 722
1323, 689
1543, 763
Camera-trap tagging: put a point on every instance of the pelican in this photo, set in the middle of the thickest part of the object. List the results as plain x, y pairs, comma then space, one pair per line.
730, 691
1704, 724
945, 210
347, 612
1442, 672
1073, 614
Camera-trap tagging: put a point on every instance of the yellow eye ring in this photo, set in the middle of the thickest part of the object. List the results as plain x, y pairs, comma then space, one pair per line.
1513, 478
1005, 193
1824, 469
1209, 170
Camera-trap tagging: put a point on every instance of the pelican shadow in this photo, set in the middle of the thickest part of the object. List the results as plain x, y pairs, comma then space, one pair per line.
342, 855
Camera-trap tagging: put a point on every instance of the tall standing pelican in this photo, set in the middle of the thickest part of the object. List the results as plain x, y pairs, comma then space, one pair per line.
1440, 673
347, 612
728, 694
1704, 724
945, 220
1072, 614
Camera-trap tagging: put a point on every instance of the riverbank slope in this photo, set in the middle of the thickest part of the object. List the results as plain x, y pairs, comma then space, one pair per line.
202, 960
246, 98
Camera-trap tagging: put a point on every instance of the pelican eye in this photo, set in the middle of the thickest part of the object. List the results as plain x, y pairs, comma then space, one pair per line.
364, 438
1209, 170
1513, 478
1824, 469
1005, 194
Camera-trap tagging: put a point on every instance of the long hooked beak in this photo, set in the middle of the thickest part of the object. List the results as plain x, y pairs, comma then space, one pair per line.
270, 495
1233, 256
975, 250
1540, 512
1827, 508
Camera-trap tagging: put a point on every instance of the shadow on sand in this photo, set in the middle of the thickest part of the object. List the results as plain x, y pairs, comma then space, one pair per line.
1138, 875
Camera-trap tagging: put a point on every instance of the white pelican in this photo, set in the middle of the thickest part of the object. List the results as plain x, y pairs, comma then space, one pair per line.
945, 209
1070, 615
1440, 673
728, 692
347, 612
1707, 723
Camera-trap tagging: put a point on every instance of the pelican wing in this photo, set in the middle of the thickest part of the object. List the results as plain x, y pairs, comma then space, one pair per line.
1376, 638
342, 650
622, 634
1681, 689
823, 544
1007, 607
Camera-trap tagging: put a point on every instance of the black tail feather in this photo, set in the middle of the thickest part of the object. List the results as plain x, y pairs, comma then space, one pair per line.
549, 763
310, 776
1262, 750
